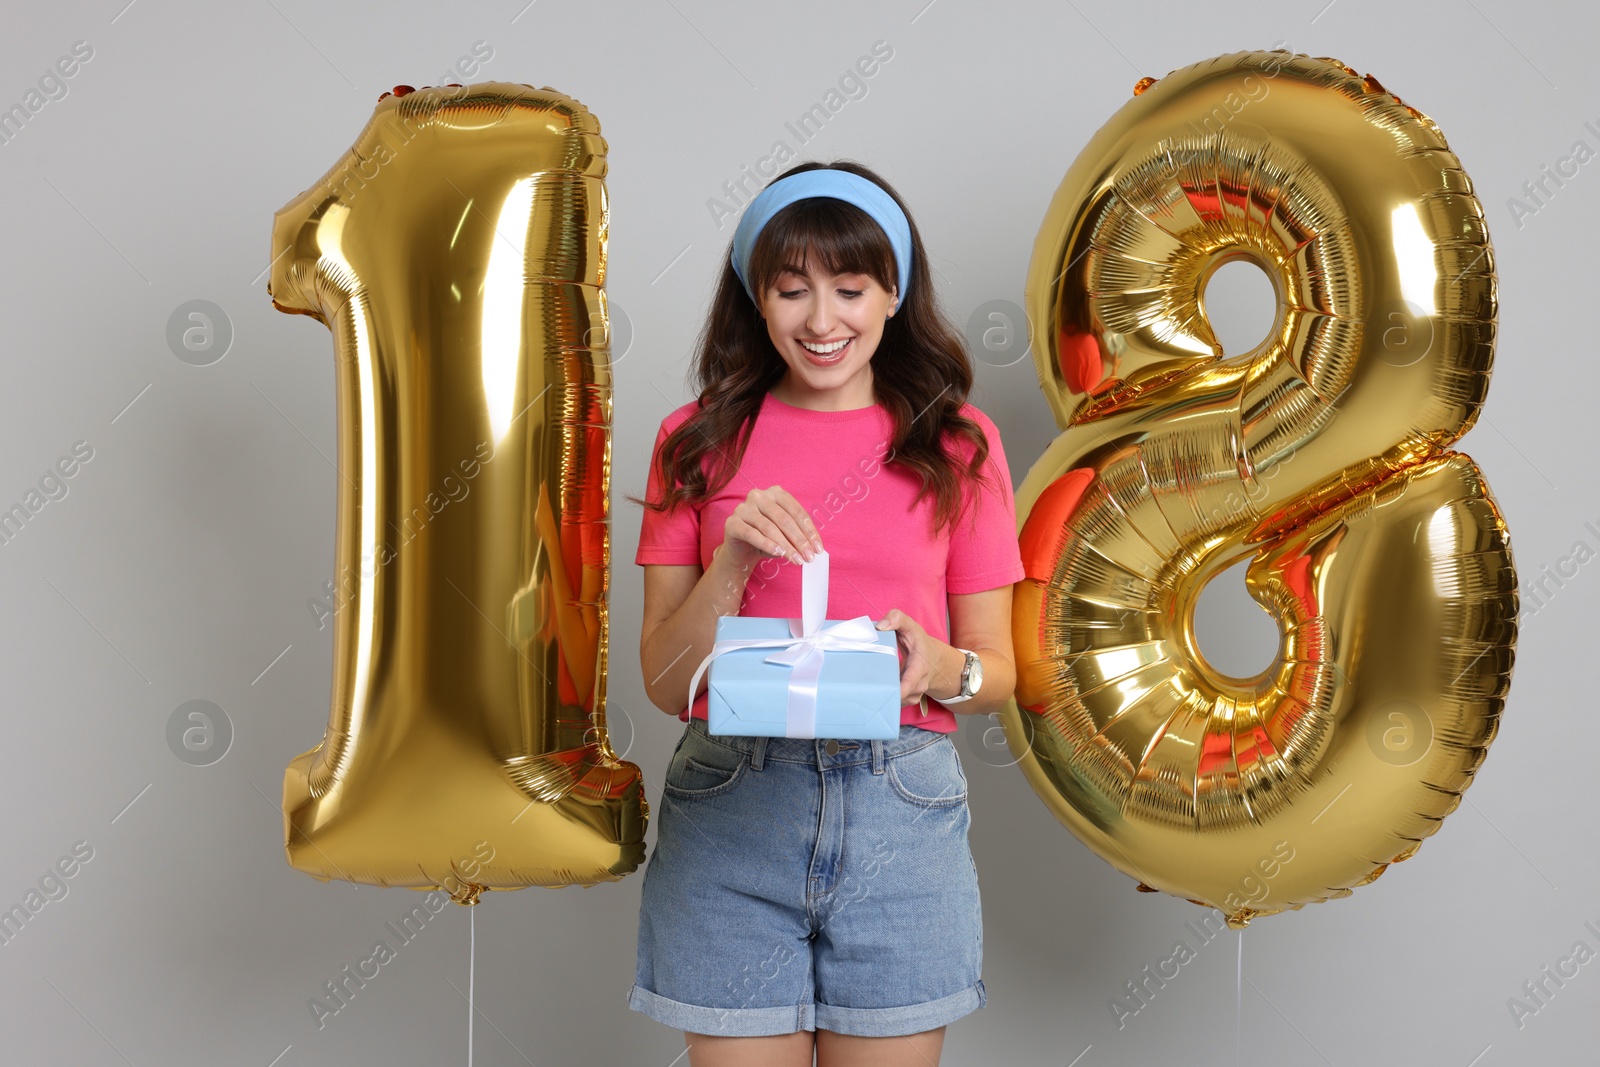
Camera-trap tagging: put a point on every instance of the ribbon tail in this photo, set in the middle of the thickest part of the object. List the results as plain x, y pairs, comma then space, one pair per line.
802, 709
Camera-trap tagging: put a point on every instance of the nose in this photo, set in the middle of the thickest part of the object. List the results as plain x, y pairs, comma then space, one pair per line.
822, 315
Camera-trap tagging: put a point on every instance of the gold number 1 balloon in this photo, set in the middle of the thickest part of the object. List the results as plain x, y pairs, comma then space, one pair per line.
457, 253
1321, 457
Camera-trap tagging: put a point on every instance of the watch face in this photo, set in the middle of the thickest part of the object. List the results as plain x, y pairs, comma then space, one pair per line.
975, 678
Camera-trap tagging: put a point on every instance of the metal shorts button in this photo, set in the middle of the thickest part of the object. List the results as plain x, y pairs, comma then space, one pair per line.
832, 747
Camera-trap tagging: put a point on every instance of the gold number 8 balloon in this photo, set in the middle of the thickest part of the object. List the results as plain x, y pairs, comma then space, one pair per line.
457, 253
1321, 456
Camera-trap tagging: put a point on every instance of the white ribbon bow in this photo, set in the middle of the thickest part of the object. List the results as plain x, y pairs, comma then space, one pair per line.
804, 649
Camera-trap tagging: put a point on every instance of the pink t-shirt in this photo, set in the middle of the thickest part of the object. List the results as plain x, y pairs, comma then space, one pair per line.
880, 554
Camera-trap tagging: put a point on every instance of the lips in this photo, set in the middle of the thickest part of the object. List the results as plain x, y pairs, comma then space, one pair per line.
830, 359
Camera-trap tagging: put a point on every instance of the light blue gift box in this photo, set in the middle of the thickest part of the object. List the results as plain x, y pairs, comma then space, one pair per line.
858, 693
803, 677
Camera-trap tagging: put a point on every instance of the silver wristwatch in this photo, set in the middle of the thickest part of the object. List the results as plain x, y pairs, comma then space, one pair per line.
971, 678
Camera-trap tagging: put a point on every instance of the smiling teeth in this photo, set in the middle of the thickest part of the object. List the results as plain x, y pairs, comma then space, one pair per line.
824, 350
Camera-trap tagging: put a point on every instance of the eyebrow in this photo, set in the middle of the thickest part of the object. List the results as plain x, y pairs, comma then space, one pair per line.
791, 269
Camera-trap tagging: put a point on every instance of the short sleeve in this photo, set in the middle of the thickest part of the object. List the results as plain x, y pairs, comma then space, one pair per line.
670, 538
985, 554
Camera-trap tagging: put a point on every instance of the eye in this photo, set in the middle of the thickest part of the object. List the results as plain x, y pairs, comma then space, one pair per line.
851, 293
790, 294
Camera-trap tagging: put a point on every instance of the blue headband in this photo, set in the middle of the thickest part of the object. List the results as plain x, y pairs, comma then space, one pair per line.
839, 185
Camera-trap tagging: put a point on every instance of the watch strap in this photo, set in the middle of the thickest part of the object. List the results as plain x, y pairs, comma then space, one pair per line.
966, 678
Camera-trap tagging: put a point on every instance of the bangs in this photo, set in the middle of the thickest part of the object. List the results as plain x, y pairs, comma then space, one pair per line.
822, 234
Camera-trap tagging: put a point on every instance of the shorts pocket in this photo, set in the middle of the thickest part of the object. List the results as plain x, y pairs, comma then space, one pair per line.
930, 776
698, 770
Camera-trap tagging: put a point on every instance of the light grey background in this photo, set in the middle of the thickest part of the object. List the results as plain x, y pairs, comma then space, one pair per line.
179, 565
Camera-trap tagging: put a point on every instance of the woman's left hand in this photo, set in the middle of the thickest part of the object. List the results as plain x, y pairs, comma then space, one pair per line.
927, 658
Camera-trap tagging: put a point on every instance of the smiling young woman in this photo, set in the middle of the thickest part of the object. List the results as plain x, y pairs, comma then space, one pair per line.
826, 327
824, 353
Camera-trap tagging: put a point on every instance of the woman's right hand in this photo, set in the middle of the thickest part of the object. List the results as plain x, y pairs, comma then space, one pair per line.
770, 522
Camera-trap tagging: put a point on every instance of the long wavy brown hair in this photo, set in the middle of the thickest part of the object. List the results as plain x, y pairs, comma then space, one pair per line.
921, 371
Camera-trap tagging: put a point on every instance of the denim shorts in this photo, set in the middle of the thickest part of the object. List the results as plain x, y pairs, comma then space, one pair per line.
801, 884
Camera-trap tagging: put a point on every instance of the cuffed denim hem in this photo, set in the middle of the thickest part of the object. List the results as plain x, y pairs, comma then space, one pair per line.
903, 1020
723, 1022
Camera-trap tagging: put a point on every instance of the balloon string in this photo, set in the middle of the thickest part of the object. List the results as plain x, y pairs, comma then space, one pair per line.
472, 967
1238, 1001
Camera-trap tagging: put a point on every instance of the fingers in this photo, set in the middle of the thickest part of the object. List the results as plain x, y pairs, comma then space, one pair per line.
792, 518
895, 619
773, 521
916, 669
764, 534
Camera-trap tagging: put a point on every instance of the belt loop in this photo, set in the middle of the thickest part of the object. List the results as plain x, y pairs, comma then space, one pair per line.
758, 753
877, 756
